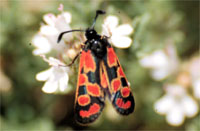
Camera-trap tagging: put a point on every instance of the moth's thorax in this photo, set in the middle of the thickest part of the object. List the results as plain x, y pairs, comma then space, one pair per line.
95, 43
97, 46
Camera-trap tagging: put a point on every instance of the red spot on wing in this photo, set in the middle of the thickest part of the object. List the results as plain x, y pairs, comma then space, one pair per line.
82, 79
93, 89
125, 91
123, 105
89, 62
83, 100
116, 84
84, 113
95, 108
120, 72
104, 83
112, 59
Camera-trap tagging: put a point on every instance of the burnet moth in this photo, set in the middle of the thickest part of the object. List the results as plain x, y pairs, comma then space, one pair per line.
100, 75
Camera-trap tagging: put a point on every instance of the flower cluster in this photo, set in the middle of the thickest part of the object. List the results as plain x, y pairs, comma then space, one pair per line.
177, 103
45, 41
161, 62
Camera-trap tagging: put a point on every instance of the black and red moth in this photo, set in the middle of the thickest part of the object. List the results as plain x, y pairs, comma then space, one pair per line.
100, 75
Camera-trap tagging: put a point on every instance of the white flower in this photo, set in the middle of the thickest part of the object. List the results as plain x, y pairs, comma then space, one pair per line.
56, 77
163, 63
46, 39
195, 76
176, 104
119, 34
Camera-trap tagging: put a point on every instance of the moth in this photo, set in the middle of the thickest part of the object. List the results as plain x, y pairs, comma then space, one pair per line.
100, 74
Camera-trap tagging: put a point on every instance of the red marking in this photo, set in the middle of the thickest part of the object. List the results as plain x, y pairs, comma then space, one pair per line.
116, 84
83, 100
84, 113
93, 89
103, 81
120, 72
112, 59
123, 105
89, 62
125, 91
82, 79
93, 110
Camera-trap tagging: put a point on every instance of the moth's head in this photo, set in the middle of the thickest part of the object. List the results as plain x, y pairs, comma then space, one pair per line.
90, 34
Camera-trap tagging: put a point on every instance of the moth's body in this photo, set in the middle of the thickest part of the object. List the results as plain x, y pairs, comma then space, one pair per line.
100, 75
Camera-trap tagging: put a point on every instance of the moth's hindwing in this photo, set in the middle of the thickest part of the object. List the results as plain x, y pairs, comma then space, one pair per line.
89, 101
119, 89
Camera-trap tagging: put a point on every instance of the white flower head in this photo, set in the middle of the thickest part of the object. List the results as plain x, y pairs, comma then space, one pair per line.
56, 77
46, 39
118, 34
176, 104
162, 63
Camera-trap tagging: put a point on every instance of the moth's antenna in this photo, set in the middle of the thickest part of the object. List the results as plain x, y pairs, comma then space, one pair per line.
98, 12
61, 34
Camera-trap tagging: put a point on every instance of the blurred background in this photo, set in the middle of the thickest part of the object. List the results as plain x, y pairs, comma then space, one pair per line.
165, 39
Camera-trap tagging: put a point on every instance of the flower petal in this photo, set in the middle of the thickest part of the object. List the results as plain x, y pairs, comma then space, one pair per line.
49, 19
175, 117
67, 17
121, 41
42, 44
59, 72
62, 22
105, 31
50, 87
63, 82
44, 75
111, 22
163, 105
157, 59
159, 74
196, 88
48, 30
124, 29
190, 106
178, 91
